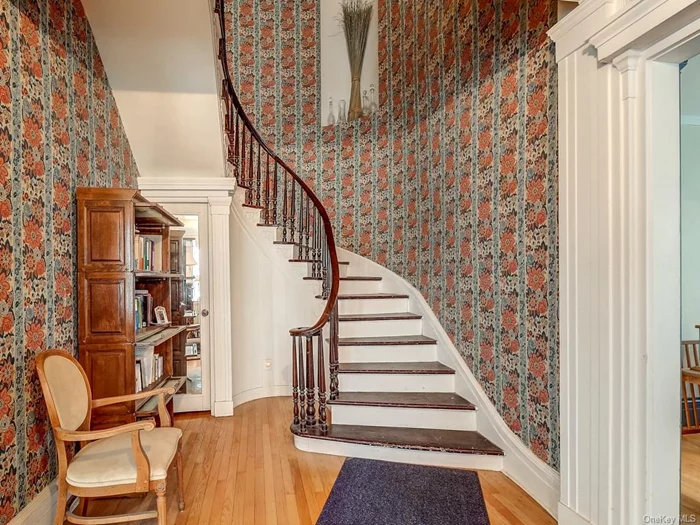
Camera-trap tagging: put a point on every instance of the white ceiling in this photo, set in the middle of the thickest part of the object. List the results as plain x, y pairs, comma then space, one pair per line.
159, 57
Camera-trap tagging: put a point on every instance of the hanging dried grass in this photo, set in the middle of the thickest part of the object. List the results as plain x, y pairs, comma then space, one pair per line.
355, 18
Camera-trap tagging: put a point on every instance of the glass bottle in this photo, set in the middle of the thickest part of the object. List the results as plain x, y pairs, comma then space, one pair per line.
372, 100
342, 115
365, 103
331, 116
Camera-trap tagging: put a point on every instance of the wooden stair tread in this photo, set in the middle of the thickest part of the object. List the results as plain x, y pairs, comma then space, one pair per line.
457, 441
379, 317
441, 400
426, 367
380, 295
349, 278
314, 261
387, 340
253, 206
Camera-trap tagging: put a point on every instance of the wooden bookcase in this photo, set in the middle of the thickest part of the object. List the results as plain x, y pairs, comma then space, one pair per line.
109, 224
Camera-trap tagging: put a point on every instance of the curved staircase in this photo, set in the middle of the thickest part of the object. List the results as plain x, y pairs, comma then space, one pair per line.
389, 397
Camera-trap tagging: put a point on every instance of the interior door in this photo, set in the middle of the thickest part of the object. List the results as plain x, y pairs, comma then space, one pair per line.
194, 358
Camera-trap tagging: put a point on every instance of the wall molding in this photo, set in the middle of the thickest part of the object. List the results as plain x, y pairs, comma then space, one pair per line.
520, 464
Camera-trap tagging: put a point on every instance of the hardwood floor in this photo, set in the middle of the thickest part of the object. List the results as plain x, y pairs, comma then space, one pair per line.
690, 475
245, 470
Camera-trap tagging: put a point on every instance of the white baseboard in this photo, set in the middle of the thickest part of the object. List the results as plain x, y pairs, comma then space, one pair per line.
222, 408
259, 393
566, 516
41, 510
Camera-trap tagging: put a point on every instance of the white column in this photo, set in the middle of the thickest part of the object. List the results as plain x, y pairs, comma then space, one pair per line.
220, 302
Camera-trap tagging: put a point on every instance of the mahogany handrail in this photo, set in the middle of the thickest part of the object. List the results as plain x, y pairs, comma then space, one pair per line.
230, 92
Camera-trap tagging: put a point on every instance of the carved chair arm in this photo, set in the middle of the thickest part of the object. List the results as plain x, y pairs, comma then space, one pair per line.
143, 467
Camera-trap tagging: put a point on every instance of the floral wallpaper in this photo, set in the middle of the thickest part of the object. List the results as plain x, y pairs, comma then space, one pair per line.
452, 185
59, 129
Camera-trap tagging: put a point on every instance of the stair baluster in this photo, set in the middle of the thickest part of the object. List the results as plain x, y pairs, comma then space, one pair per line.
321, 385
306, 233
241, 168
310, 389
302, 226
285, 211
292, 214
267, 190
258, 189
333, 353
302, 387
295, 381
274, 197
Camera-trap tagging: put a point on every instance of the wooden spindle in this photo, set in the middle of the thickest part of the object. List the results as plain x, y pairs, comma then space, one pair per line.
333, 352
258, 183
310, 394
302, 387
316, 240
302, 223
250, 167
292, 216
267, 190
306, 235
274, 197
285, 210
241, 169
321, 385
325, 289
295, 381
236, 148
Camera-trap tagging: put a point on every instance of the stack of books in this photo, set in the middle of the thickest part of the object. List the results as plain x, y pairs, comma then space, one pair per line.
145, 253
149, 366
143, 309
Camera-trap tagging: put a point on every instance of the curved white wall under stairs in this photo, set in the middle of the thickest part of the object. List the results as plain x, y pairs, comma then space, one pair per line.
405, 392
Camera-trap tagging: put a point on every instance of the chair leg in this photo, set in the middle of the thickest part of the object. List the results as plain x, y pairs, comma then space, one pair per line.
61, 503
162, 503
180, 484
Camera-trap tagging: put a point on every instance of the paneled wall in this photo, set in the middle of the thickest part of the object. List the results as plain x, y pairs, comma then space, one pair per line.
59, 129
452, 185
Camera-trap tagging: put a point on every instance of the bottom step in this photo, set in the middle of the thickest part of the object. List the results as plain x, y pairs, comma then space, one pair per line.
445, 448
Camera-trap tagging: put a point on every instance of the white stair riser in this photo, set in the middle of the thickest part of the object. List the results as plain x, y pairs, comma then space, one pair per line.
355, 287
404, 417
380, 328
372, 306
387, 353
398, 455
396, 382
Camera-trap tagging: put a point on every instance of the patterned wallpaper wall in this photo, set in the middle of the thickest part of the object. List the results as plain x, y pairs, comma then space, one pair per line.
452, 185
59, 129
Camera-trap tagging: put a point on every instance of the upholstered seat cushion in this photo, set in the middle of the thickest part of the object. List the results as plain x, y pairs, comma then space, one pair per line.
111, 461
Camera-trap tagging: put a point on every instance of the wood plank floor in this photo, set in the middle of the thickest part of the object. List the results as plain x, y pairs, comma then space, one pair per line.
245, 470
690, 475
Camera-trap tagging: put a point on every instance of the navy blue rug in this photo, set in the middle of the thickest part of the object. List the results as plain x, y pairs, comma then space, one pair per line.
369, 492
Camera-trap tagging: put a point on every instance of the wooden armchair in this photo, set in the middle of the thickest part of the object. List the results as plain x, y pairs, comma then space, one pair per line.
128, 459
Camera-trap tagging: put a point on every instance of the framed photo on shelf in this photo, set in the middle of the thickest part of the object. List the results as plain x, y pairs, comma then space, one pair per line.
138, 373
161, 315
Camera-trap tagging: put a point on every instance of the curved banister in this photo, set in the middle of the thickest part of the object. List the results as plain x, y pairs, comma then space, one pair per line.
306, 225
328, 228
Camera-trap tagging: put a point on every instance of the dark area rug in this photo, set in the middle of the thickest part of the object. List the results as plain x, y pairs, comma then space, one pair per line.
369, 492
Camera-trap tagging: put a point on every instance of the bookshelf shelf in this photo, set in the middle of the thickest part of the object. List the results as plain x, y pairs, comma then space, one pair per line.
124, 273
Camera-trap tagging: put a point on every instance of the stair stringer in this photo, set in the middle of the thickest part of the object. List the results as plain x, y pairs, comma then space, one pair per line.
535, 476
270, 297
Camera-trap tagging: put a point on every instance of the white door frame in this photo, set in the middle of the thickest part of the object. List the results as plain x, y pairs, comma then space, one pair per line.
216, 193
202, 401
619, 172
